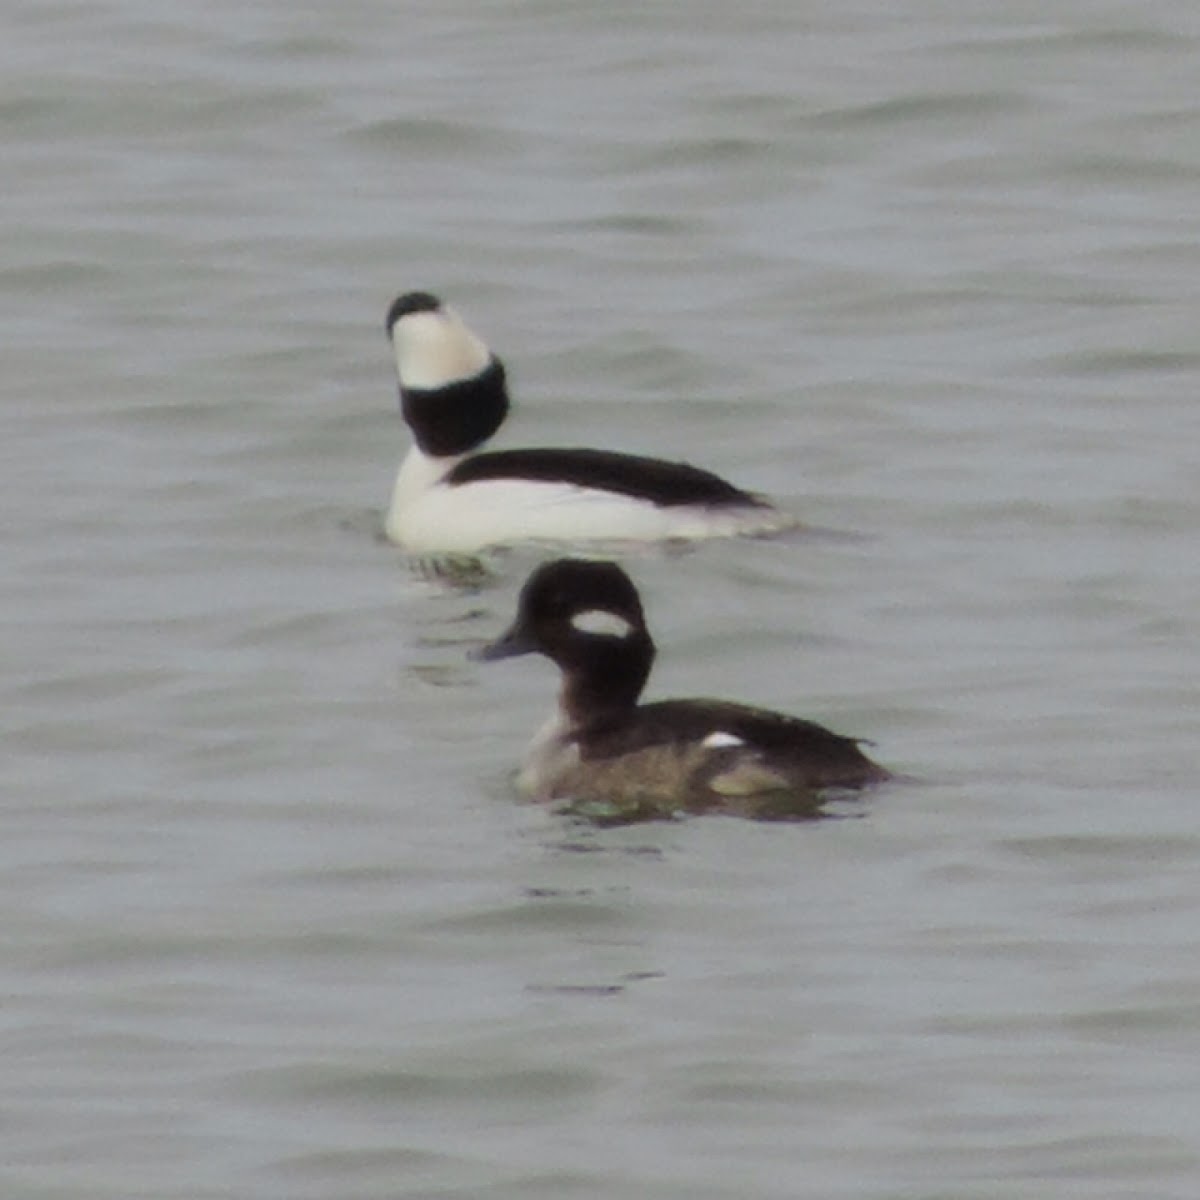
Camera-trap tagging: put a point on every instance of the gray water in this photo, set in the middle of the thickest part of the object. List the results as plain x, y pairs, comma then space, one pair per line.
275, 924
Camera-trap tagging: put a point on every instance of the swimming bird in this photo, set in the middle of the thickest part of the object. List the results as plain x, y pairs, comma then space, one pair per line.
664, 757
450, 497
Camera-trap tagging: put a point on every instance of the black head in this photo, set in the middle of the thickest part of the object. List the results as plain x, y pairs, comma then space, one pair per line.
587, 618
410, 302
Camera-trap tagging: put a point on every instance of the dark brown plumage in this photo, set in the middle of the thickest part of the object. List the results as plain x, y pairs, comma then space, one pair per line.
655, 759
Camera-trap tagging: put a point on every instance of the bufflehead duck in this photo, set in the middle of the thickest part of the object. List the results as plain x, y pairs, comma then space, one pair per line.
449, 498
669, 756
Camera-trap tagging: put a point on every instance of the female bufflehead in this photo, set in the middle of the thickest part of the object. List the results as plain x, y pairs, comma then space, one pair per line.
449, 498
670, 756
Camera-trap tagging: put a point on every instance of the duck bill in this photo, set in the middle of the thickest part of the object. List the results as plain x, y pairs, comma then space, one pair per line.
510, 644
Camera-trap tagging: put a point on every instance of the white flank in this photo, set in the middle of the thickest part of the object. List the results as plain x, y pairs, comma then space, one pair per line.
720, 739
427, 517
436, 348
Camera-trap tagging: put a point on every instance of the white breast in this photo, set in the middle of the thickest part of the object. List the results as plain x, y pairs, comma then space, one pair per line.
549, 759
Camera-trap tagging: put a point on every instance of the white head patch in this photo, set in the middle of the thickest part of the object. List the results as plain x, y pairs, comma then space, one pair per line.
602, 623
720, 739
436, 348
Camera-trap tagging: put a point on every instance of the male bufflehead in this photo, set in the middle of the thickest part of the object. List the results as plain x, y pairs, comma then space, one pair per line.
448, 498
665, 757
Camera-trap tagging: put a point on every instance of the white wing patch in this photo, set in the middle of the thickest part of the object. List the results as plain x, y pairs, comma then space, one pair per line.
720, 739
602, 623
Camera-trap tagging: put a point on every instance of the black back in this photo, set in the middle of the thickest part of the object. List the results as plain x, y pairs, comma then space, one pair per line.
783, 738
667, 484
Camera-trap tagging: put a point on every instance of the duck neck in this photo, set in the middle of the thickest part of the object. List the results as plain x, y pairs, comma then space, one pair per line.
418, 473
605, 690
457, 417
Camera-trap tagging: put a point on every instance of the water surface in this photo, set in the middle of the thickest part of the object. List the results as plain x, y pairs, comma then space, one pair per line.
275, 923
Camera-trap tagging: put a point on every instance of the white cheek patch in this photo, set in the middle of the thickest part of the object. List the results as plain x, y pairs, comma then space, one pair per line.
436, 348
720, 739
601, 623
